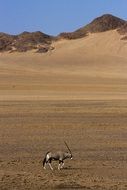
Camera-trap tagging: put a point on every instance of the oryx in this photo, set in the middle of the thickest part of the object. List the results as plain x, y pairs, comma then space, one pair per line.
60, 156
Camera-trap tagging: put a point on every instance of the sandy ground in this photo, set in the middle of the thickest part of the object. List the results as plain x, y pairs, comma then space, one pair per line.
94, 67
76, 93
96, 132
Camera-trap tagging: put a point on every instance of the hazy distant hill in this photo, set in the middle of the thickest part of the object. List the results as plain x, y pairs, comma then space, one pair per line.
42, 43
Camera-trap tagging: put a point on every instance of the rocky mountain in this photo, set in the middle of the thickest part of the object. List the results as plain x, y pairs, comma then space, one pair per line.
123, 31
25, 41
42, 43
100, 24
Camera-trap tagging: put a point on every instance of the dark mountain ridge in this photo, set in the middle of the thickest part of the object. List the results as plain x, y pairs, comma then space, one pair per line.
42, 42
100, 24
25, 41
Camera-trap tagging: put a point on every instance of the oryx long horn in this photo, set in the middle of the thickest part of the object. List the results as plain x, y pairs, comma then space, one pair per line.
67, 147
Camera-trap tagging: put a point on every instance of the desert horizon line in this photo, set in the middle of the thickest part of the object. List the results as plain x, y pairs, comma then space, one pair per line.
35, 31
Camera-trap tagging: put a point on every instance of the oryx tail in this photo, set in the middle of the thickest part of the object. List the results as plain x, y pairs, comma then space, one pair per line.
45, 159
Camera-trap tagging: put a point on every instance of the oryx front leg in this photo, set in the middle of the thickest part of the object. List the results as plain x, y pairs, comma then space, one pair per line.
60, 166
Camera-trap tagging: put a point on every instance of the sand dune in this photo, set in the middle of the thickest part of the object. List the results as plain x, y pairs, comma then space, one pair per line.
73, 78
93, 67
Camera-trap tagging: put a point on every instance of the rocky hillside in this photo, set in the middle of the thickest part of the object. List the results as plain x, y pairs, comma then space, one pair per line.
123, 31
42, 43
25, 41
100, 24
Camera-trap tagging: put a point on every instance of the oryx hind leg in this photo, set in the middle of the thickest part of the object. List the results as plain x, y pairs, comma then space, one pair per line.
44, 166
50, 166
46, 160
44, 163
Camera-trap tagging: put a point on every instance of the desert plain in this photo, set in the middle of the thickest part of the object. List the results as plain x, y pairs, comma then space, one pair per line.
76, 93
